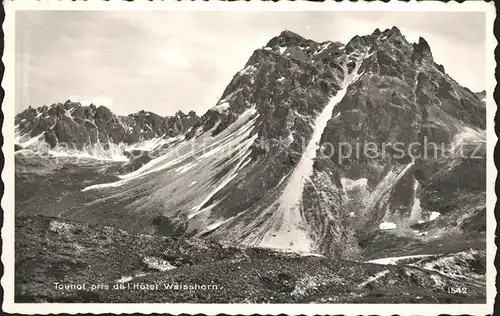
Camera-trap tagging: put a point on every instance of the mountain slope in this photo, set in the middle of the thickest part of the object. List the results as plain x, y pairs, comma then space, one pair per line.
268, 164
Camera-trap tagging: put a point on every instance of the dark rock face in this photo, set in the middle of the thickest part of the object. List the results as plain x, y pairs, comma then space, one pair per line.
78, 126
422, 50
405, 98
262, 151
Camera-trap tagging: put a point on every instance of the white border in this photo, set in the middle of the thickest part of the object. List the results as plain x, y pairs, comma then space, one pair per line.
212, 309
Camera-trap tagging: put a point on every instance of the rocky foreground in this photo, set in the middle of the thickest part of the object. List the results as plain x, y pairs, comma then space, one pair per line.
64, 261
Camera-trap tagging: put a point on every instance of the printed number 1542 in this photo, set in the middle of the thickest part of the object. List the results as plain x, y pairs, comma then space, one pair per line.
457, 290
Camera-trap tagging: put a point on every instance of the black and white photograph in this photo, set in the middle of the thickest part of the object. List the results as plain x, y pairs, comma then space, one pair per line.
250, 157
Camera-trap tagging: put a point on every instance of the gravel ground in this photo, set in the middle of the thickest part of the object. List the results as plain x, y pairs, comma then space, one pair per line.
64, 261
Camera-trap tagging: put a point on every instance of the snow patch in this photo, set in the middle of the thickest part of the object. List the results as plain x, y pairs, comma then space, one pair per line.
92, 152
349, 184
184, 168
434, 215
387, 225
249, 70
221, 107
395, 260
125, 279
204, 210
322, 48
158, 264
373, 278
152, 144
68, 113
416, 209
214, 226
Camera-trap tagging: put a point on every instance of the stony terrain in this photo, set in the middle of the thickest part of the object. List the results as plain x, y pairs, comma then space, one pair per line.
96, 258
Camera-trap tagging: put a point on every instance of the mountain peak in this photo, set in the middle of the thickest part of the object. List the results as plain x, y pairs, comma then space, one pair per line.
481, 94
423, 43
395, 30
288, 38
290, 34
423, 49
377, 32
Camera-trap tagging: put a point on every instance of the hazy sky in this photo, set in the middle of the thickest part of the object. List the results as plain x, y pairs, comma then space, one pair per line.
166, 61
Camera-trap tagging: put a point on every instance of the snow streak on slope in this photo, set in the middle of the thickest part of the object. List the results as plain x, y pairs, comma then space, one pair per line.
290, 230
394, 260
25, 143
373, 278
186, 181
416, 209
202, 147
241, 157
466, 136
382, 191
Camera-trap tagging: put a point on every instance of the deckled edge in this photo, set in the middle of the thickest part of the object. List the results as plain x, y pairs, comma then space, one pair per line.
2, 158
494, 74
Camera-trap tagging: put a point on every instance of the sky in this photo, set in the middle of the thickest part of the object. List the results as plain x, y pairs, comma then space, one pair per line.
168, 61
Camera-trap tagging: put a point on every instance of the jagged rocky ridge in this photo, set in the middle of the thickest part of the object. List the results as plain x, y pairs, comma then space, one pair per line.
249, 171
80, 126
72, 129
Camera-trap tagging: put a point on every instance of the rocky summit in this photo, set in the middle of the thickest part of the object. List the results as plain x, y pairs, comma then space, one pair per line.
356, 151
